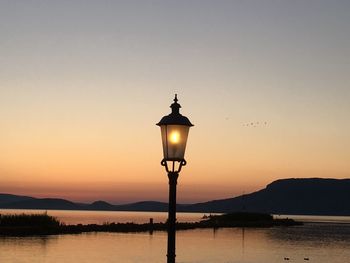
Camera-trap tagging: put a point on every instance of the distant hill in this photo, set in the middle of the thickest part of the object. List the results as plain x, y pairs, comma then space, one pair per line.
44, 203
144, 206
100, 205
309, 196
8, 198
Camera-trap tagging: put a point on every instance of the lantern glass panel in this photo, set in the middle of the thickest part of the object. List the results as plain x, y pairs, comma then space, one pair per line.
174, 138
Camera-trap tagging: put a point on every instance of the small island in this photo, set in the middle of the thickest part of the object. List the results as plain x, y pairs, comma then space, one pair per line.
44, 224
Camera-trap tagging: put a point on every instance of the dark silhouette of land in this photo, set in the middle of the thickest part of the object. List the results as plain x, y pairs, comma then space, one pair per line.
309, 196
43, 224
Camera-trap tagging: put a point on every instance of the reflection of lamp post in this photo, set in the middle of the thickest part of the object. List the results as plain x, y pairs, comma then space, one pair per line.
174, 129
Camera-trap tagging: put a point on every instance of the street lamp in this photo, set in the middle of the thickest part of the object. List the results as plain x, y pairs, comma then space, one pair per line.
174, 130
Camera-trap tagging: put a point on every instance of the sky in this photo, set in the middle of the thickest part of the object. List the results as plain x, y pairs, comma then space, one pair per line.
83, 83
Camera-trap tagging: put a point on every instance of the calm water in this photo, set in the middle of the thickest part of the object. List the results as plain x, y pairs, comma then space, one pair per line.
324, 240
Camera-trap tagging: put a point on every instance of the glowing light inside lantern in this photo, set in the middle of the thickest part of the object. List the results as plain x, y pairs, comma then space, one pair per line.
174, 137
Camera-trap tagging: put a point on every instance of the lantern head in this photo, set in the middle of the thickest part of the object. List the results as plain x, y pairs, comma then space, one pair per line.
174, 130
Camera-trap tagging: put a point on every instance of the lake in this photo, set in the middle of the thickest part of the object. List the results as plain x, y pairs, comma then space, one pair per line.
320, 239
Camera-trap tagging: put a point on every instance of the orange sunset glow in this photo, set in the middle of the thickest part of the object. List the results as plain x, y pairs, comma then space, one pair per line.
82, 90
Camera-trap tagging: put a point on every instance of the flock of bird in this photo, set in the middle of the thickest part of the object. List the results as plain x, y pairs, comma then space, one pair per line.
255, 124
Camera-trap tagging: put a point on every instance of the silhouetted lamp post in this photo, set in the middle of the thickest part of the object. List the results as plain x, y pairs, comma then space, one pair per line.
174, 130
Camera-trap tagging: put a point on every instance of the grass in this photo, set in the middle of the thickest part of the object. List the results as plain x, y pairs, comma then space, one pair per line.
25, 220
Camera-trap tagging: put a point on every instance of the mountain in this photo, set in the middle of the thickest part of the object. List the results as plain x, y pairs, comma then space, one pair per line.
8, 198
310, 196
144, 206
100, 205
44, 203
307, 196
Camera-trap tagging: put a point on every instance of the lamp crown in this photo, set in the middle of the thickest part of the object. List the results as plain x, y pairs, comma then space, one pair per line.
175, 118
175, 107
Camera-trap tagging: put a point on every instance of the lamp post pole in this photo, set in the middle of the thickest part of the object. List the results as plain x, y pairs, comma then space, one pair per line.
174, 129
172, 216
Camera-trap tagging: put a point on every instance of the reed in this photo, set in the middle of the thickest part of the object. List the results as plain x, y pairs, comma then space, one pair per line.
28, 220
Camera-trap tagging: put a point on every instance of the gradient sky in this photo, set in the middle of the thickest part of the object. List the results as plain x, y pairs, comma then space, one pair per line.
83, 83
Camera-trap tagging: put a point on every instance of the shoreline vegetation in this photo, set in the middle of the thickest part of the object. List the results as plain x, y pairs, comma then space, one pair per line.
44, 224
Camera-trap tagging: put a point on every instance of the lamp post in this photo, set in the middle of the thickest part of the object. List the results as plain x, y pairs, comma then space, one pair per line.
174, 130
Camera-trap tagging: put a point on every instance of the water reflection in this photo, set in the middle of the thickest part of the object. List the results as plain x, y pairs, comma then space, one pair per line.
28, 246
39, 241
236, 245
319, 242
311, 232
243, 230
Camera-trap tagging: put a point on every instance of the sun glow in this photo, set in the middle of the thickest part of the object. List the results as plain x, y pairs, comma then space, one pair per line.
174, 137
